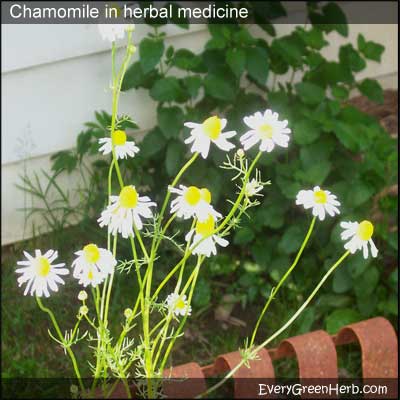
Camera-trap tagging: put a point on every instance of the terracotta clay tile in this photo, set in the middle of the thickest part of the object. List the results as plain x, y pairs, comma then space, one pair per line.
378, 343
178, 384
316, 357
244, 385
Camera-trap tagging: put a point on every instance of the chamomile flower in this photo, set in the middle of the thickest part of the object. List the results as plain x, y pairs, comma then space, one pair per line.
91, 276
92, 256
192, 201
321, 202
360, 235
40, 274
267, 129
178, 305
201, 230
125, 211
253, 188
209, 131
123, 148
112, 32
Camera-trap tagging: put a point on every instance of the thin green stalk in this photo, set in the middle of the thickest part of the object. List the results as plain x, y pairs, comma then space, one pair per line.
58, 330
254, 352
182, 323
287, 273
110, 285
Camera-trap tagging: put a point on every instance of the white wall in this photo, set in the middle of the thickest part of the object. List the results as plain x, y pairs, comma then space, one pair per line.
55, 76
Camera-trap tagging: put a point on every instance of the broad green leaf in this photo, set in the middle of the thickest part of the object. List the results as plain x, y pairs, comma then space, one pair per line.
65, 160
167, 89
359, 193
257, 64
134, 77
236, 59
174, 157
372, 89
340, 318
291, 239
310, 93
187, 60
340, 92
150, 51
349, 56
314, 38
316, 173
367, 282
243, 236
217, 86
342, 281
192, 84
170, 121
291, 48
346, 135
336, 17
370, 49
152, 143
305, 132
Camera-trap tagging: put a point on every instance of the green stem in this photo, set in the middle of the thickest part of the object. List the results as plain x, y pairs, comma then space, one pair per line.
254, 352
58, 330
287, 273
182, 323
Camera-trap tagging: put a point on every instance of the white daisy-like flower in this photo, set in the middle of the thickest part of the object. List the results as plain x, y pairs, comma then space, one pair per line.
178, 305
126, 210
40, 274
192, 201
91, 276
201, 230
91, 257
360, 234
112, 32
265, 128
123, 148
252, 188
209, 131
320, 201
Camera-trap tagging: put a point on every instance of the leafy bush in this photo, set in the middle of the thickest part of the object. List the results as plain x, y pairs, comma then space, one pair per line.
334, 145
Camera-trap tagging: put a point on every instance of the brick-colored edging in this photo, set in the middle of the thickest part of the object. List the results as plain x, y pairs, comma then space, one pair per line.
316, 356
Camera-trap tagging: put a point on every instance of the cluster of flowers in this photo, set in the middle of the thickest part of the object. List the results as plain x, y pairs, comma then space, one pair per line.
125, 212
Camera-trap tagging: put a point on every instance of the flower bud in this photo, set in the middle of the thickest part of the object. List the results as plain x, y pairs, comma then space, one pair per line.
83, 310
240, 153
127, 313
82, 296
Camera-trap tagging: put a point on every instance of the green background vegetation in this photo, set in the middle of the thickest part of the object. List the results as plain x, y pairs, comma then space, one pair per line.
333, 144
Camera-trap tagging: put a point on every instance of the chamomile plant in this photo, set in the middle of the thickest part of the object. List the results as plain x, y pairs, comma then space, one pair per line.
128, 215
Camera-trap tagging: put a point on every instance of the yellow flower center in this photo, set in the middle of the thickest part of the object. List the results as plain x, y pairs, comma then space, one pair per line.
320, 197
265, 131
119, 138
128, 198
207, 227
192, 195
212, 127
180, 304
365, 230
92, 253
205, 195
43, 266
90, 275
